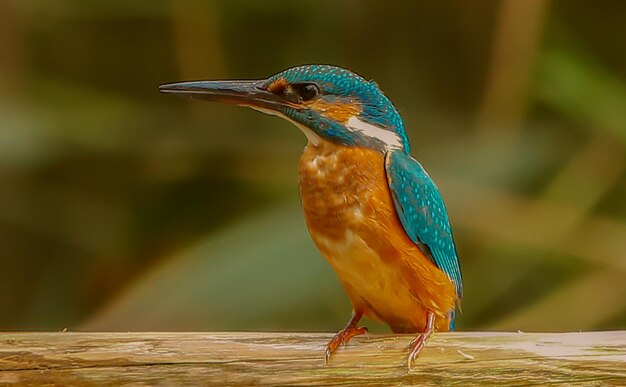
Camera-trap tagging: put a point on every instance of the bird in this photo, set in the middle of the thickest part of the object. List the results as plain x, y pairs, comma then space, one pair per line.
371, 209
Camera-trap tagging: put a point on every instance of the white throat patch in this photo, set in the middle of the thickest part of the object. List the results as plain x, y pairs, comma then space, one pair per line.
388, 137
391, 139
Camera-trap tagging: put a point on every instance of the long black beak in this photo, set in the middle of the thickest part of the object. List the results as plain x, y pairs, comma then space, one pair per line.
243, 93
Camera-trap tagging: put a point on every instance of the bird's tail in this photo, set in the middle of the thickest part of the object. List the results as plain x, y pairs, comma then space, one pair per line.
452, 325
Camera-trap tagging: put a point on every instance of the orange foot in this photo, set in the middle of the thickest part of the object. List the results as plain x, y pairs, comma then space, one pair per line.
344, 335
417, 344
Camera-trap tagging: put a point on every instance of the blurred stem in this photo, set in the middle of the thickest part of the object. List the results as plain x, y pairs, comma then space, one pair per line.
12, 42
199, 52
516, 40
198, 45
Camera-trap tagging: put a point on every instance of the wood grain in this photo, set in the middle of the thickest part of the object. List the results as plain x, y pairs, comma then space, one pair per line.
244, 358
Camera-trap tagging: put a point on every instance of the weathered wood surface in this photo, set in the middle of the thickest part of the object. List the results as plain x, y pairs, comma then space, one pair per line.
242, 358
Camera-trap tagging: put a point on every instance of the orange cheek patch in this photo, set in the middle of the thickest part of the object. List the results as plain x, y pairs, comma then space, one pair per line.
278, 86
336, 110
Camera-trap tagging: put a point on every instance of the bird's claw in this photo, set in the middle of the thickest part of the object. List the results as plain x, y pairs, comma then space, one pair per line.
415, 348
417, 344
342, 338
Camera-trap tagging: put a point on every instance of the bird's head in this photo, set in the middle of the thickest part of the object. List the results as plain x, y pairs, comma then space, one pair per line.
326, 102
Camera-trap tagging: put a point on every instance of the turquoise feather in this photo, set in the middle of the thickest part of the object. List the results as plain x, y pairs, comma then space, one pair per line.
423, 215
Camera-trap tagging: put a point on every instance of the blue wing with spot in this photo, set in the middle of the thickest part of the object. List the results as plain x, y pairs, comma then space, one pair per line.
423, 213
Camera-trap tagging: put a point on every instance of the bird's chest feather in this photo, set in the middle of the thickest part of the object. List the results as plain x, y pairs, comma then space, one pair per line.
349, 213
352, 220
338, 186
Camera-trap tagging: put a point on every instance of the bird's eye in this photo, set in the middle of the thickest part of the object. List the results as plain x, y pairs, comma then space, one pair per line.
295, 92
306, 91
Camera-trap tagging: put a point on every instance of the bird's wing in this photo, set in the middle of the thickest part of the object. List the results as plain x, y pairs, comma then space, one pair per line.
422, 213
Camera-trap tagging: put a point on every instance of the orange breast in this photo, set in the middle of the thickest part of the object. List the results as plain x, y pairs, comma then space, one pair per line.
352, 220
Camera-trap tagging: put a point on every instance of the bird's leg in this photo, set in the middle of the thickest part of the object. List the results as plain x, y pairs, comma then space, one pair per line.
344, 335
417, 344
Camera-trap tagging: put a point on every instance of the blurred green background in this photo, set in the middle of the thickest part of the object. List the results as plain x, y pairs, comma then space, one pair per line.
124, 209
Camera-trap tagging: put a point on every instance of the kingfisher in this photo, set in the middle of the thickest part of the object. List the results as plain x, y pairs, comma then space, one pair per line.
371, 209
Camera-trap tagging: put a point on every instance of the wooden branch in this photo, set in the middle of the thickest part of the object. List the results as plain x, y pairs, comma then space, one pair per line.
242, 358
